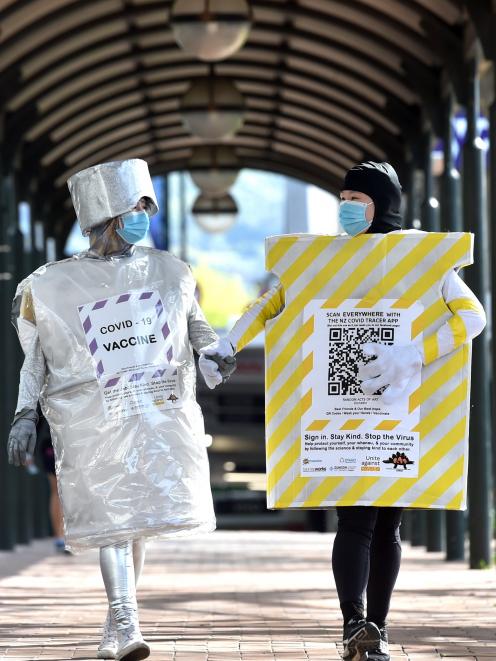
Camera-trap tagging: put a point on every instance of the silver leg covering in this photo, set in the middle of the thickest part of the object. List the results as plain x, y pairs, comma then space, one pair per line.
139, 549
121, 565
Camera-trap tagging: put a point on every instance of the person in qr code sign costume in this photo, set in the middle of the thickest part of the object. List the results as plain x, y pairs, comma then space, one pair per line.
367, 549
108, 337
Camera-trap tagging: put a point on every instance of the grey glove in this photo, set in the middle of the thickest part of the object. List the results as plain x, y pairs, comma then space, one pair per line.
22, 437
226, 365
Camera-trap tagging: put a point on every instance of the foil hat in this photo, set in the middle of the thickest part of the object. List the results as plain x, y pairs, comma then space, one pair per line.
107, 190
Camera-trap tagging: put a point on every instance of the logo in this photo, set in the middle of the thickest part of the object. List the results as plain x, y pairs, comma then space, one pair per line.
311, 469
399, 460
172, 398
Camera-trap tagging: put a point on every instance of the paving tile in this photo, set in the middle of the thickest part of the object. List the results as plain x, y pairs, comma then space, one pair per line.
239, 596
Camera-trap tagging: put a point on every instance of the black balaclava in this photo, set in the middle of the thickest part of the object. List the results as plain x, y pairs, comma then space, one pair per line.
380, 182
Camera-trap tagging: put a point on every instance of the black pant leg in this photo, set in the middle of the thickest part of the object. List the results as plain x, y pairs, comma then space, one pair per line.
385, 560
350, 557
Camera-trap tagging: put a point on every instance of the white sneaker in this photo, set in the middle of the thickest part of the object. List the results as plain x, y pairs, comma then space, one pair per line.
108, 645
131, 646
134, 650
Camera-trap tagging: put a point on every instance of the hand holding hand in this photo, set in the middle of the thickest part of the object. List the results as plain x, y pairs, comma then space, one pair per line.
210, 371
221, 347
217, 362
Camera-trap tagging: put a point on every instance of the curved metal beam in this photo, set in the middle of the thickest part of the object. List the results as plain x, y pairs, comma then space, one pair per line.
296, 11
312, 14
16, 128
405, 35
346, 141
293, 11
181, 140
290, 138
338, 122
345, 103
140, 146
350, 81
393, 147
308, 38
282, 164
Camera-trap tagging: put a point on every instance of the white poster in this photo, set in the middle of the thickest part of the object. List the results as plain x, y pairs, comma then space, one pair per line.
130, 342
347, 433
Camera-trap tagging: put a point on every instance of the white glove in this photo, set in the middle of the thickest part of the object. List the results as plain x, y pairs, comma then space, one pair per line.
210, 371
221, 353
222, 347
394, 367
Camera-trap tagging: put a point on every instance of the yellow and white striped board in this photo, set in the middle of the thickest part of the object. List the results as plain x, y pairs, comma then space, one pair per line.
405, 269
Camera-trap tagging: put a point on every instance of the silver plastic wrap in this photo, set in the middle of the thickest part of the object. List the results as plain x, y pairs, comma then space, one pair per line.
127, 431
199, 330
112, 564
117, 565
33, 369
108, 190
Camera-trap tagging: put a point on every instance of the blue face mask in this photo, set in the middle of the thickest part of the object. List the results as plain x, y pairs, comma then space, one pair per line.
136, 224
352, 216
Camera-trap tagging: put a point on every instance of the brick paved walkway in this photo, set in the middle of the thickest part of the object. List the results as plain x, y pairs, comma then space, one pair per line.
252, 596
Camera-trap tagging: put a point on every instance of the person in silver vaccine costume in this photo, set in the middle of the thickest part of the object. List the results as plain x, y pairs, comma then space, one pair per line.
129, 466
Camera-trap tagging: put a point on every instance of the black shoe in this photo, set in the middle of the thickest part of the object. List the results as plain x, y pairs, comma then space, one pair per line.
359, 636
381, 652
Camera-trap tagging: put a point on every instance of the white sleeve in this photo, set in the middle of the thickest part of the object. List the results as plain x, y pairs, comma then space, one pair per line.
467, 321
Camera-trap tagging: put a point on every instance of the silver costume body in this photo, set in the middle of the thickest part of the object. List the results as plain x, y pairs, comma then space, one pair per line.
136, 476
123, 474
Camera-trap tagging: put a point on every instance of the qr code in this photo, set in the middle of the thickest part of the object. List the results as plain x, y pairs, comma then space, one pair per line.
345, 354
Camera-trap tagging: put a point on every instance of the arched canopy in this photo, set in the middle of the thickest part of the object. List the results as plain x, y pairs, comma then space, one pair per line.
326, 83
